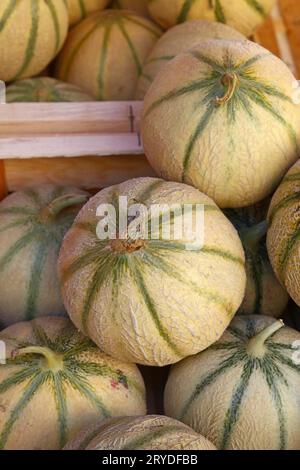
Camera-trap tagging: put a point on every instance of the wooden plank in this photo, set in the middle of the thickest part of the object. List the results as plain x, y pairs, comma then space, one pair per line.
85, 172
67, 118
266, 37
69, 145
3, 187
290, 12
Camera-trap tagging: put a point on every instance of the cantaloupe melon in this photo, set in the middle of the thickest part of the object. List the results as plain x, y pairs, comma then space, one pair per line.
79, 9
105, 53
139, 6
31, 34
243, 15
284, 232
220, 119
180, 39
33, 223
243, 392
153, 432
152, 300
56, 381
264, 294
44, 89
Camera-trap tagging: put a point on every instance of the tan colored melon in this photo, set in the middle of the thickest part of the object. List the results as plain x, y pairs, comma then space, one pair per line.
180, 39
244, 15
44, 90
153, 300
33, 223
243, 392
218, 118
284, 232
105, 53
79, 9
139, 6
153, 432
31, 34
56, 381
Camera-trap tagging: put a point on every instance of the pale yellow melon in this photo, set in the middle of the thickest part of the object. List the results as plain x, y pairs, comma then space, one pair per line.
104, 54
180, 39
156, 299
153, 432
244, 15
33, 222
79, 9
31, 34
44, 90
243, 392
55, 381
139, 6
284, 232
220, 119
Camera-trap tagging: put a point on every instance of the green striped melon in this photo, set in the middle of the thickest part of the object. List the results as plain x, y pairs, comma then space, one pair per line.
139, 6
56, 381
264, 294
233, 126
243, 392
44, 89
33, 223
243, 15
152, 301
105, 53
79, 9
180, 39
284, 232
31, 34
153, 432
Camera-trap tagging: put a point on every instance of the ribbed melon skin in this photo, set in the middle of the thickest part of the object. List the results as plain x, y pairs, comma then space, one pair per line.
284, 234
153, 432
43, 406
180, 39
32, 33
243, 15
139, 6
105, 53
29, 249
237, 400
44, 89
264, 294
156, 302
79, 9
220, 101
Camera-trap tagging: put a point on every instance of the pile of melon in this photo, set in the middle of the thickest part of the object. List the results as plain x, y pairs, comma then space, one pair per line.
153, 314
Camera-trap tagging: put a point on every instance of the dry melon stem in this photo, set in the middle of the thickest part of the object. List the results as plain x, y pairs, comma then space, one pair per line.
61, 203
53, 360
229, 80
256, 345
126, 246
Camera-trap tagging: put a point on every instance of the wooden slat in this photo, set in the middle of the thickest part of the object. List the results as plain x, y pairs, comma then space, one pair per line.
3, 188
69, 145
85, 172
67, 118
266, 37
290, 11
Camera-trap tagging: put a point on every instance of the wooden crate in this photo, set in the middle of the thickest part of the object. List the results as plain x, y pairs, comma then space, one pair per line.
93, 145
